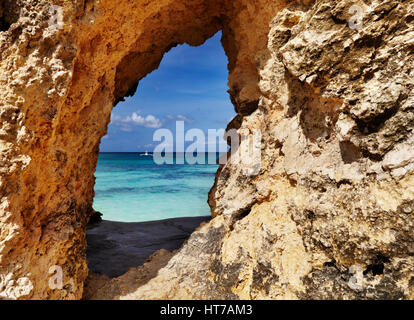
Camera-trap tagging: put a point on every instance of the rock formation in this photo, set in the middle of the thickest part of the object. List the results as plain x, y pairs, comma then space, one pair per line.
329, 214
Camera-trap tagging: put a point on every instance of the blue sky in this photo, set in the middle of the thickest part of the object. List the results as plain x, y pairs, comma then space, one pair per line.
190, 85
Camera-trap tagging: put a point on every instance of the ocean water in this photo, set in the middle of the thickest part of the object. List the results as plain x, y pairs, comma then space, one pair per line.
131, 187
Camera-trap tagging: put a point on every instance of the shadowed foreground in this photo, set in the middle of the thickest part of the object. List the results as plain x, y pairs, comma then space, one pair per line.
115, 247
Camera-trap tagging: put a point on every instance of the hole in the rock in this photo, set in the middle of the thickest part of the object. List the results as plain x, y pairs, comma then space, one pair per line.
147, 206
378, 122
331, 264
240, 216
377, 268
9, 14
310, 214
349, 152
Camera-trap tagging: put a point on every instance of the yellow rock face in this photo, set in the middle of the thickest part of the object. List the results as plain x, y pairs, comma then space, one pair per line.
329, 214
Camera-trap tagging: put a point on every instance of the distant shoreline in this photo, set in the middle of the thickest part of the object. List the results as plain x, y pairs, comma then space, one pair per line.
178, 219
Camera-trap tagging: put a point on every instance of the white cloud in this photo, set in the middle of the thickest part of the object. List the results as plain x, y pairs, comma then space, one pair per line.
185, 119
148, 121
180, 118
126, 128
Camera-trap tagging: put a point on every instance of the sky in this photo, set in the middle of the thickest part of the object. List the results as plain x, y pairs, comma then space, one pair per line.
190, 86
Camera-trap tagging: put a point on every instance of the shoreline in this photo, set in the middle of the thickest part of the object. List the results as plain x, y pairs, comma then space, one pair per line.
114, 247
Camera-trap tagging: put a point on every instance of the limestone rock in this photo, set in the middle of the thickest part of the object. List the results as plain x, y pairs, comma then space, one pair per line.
327, 214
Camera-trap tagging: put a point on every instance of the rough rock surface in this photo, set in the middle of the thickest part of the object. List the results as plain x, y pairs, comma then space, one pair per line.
101, 287
329, 214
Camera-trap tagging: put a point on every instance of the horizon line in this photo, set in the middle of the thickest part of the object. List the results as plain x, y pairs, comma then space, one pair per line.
153, 152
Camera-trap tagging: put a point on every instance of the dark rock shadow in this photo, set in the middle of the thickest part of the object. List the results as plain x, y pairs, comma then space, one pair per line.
115, 247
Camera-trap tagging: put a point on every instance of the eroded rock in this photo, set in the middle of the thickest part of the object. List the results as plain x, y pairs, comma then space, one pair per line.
329, 214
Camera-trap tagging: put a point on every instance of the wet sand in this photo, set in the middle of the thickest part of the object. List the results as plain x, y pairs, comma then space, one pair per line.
115, 247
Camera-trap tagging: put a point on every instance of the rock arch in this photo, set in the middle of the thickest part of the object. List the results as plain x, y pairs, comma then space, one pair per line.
332, 193
59, 85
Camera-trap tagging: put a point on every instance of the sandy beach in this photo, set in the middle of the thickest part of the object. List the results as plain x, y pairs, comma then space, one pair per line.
115, 247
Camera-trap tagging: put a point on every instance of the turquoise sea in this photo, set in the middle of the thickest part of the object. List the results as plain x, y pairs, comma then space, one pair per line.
131, 187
